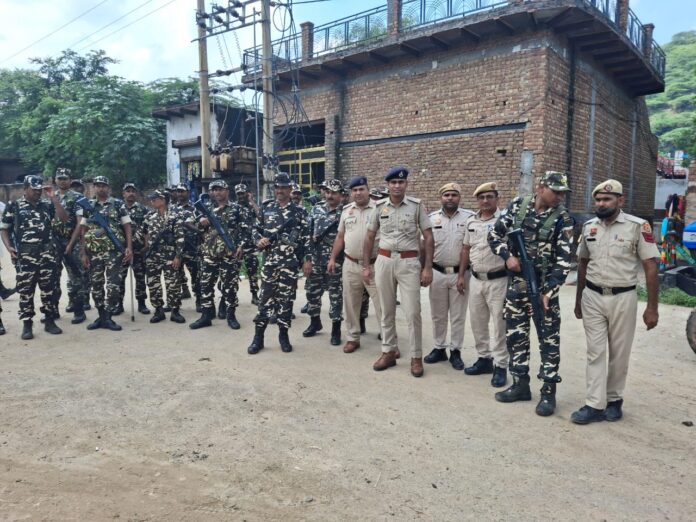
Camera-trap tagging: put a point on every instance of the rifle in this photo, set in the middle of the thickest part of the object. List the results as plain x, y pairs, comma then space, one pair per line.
318, 239
273, 236
516, 238
212, 218
100, 220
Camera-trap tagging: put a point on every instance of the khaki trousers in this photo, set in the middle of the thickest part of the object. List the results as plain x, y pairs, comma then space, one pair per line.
353, 287
448, 306
486, 303
390, 271
610, 324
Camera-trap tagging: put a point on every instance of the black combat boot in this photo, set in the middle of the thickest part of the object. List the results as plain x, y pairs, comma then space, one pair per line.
27, 331
185, 292
222, 309
176, 317
436, 355
284, 340
305, 308
481, 366
51, 327
547, 402
362, 325
206, 319
232, 319
199, 307
254, 297
6, 292
159, 316
109, 324
314, 327
2, 328
455, 360
70, 308
519, 391
257, 343
78, 312
98, 322
336, 333
119, 309
142, 307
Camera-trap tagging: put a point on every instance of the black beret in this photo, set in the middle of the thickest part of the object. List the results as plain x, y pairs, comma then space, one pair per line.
357, 181
396, 173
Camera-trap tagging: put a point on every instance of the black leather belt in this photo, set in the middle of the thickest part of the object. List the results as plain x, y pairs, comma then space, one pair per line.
487, 276
446, 269
609, 291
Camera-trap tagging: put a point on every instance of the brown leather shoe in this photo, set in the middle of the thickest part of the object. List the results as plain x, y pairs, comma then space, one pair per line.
397, 353
386, 360
417, 366
351, 346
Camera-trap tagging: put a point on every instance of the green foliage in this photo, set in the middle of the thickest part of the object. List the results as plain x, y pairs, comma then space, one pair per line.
671, 296
673, 112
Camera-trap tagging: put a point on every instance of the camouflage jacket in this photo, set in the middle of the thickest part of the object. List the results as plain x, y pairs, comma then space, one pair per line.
551, 257
64, 230
232, 219
293, 243
165, 234
30, 225
138, 213
192, 234
116, 214
249, 216
324, 228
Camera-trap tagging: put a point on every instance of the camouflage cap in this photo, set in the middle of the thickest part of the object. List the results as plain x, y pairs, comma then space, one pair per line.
159, 193
334, 185
77, 182
241, 187
296, 188
62, 172
282, 180
129, 186
181, 187
556, 181
610, 186
101, 180
33, 181
323, 184
218, 183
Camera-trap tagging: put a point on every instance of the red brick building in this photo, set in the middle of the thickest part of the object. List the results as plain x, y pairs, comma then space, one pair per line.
458, 91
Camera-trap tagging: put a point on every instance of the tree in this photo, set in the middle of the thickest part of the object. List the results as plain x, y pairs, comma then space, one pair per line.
70, 66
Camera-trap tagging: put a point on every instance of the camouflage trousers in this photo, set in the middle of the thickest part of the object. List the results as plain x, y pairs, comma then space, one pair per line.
278, 290
78, 287
365, 305
105, 278
227, 269
518, 313
318, 282
158, 267
192, 262
36, 267
251, 262
139, 273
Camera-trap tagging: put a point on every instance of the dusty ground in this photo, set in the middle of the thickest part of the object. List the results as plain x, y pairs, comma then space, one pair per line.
162, 423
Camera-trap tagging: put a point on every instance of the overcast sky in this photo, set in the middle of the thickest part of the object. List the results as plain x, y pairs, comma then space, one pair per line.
159, 45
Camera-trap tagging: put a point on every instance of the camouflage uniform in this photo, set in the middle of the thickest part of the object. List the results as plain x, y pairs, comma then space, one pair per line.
166, 241
32, 228
191, 255
249, 254
321, 218
104, 259
281, 260
552, 263
138, 213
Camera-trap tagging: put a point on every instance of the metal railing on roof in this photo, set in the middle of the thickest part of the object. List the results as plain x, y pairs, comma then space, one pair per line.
417, 13
608, 8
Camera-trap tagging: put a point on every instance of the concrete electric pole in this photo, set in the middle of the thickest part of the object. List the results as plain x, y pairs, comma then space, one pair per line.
267, 86
204, 109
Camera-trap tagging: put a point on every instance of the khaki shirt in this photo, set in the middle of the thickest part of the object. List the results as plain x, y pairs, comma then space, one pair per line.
616, 251
353, 225
448, 234
399, 226
481, 257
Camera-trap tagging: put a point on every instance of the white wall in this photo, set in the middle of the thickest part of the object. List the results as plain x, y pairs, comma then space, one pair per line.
188, 127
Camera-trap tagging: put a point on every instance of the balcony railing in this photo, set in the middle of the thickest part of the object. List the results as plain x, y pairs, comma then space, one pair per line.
371, 26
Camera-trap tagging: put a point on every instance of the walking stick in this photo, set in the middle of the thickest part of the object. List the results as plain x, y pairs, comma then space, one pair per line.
131, 292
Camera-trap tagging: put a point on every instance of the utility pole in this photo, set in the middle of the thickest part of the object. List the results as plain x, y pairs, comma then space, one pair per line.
267, 86
204, 109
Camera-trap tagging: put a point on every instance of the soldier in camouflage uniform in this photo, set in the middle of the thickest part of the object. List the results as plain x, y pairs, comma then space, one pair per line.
29, 219
283, 236
548, 231
67, 236
192, 239
137, 212
101, 257
324, 228
251, 261
164, 237
216, 258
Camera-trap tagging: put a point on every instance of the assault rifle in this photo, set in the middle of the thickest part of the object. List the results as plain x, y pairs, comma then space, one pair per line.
273, 236
100, 220
318, 239
516, 238
204, 209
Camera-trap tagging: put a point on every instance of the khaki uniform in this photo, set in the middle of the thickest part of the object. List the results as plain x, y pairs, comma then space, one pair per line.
398, 264
353, 225
486, 297
447, 305
615, 253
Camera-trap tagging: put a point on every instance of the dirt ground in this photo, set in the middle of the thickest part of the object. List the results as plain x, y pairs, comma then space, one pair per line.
159, 422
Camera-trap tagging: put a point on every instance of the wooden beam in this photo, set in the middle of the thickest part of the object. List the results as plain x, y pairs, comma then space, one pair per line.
438, 43
592, 38
378, 57
509, 29
533, 18
560, 16
468, 33
409, 50
575, 25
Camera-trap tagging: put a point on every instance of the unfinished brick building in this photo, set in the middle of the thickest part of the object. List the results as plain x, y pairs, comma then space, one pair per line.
473, 91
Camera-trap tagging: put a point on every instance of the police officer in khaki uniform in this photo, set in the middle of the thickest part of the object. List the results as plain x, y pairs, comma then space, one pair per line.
486, 288
352, 229
447, 304
400, 220
613, 248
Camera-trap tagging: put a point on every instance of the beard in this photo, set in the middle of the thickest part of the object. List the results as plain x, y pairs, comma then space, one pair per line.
605, 213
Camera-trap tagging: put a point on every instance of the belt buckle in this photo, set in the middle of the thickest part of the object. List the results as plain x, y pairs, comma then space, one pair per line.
449, 270
607, 291
484, 276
